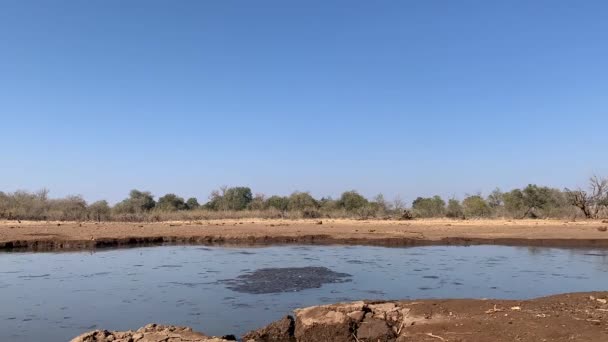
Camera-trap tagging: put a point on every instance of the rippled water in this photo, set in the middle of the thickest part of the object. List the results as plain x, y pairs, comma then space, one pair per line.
56, 296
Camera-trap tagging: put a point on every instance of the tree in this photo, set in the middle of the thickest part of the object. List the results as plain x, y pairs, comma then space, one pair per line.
593, 201
398, 204
192, 203
532, 201
258, 202
476, 206
171, 202
495, 199
454, 209
138, 202
70, 208
302, 201
383, 205
352, 200
429, 207
278, 202
236, 198
99, 210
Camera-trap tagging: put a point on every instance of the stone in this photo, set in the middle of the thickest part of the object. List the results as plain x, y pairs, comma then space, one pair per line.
374, 329
279, 331
149, 333
324, 323
356, 316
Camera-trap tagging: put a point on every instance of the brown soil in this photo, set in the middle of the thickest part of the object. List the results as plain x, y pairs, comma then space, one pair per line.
567, 317
149, 333
73, 235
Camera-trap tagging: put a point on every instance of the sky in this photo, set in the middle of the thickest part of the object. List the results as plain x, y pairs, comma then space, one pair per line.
404, 98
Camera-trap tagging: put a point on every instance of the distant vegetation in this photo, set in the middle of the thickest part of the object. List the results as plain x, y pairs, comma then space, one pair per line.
532, 201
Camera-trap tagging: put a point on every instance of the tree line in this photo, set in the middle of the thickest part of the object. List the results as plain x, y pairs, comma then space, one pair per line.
532, 201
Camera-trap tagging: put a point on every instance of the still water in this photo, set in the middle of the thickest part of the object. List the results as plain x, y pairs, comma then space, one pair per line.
56, 296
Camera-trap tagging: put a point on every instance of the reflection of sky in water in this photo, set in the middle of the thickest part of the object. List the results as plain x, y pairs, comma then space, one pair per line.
54, 297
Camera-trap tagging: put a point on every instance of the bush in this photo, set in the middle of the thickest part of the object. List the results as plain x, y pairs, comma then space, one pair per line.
454, 209
352, 201
171, 202
302, 201
71, 208
258, 203
429, 207
236, 198
533, 201
280, 203
99, 211
137, 203
476, 206
192, 204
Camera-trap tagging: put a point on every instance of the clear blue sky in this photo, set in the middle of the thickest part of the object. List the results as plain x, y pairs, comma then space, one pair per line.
399, 97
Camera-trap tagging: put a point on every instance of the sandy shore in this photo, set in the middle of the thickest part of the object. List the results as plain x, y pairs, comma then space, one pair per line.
74, 235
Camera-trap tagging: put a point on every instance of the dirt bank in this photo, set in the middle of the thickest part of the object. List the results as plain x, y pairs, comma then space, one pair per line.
61, 235
567, 317
149, 333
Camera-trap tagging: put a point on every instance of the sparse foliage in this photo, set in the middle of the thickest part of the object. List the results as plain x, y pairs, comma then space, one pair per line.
593, 201
99, 211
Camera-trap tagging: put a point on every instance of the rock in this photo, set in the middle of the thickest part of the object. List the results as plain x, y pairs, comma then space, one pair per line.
374, 329
381, 310
326, 323
279, 331
356, 316
149, 333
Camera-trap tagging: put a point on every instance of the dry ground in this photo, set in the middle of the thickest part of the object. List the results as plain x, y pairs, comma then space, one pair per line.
70, 235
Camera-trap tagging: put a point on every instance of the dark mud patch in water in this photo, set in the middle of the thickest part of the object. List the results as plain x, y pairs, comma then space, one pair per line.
288, 279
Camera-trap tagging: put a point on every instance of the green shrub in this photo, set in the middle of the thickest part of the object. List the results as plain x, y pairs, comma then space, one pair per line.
454, 209
192, 204
476, 207
302, 201
429, 207
352, 201
138, 202
171, 202
280, 203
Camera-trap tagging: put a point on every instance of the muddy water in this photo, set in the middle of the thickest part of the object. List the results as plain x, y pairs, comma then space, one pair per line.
53, 297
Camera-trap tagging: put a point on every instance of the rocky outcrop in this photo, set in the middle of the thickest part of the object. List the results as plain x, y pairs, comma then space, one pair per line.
279, 331
149, 333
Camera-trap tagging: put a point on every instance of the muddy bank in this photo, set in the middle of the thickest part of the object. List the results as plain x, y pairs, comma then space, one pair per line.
37, 236
322, 239
567, 317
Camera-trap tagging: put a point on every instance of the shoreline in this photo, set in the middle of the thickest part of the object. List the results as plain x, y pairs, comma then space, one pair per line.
581, 316
57, 236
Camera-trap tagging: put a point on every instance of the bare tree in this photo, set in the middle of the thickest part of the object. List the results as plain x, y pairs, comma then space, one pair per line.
593, 201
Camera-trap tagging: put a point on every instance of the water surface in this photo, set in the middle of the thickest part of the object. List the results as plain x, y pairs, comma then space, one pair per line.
56, 296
